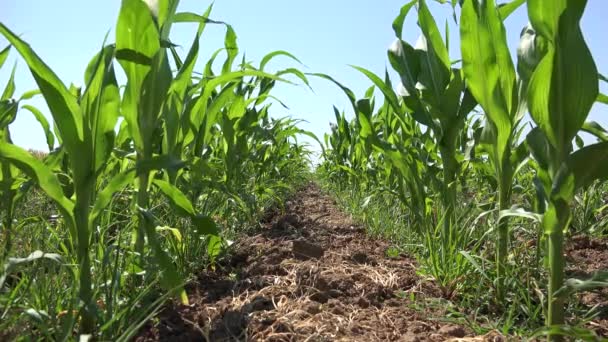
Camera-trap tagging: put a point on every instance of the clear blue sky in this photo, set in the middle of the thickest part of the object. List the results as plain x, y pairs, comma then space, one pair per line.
326, 35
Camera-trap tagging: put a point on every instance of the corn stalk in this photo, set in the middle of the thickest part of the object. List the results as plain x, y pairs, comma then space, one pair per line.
562, 90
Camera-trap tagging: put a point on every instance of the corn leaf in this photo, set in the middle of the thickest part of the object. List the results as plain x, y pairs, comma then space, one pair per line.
4, 55
50, 138
404, 60
398, 22
274, 54
433, 52
389, 93
9, 90
40, 173
585, 165
505, 10
488, 69
62, 104
594, 128
100, 104
178, 200
137, 42
105, 197
564, 85
170, 278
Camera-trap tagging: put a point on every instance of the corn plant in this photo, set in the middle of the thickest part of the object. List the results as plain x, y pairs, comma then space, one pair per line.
434, 92
8, 111
151, 93
562, 89
12, 184
86, 126
491, 78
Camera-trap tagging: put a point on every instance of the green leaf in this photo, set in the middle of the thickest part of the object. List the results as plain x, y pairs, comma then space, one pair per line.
50, 138
137, 42
398, 22
389, 94
519, 156
274, 54
364, 115
9, 90
209, 66
41, 174
349, 93
105, 197
204, 225
505, 10
564, 85
8, 113
63, 105
586, 165
295, 72
597, 281
170, 278
435, 61
29, 94
188, 17
155, 90
177, 198
231, 47
166, 15
161, 162
34, 256
214, 247
177, 93
404, 60
488, 69
100, 104
4, 55
594, 128
539, 147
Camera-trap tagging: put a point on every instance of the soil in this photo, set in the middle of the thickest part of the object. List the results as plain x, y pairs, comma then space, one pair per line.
312, 274
585, 256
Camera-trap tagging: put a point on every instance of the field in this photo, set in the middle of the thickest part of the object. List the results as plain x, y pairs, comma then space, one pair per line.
463, 200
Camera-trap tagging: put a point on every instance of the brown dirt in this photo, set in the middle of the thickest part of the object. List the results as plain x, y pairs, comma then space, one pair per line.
312, 274
333, 284
585, 256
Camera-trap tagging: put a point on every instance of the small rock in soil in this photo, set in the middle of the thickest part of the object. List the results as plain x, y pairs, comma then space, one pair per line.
334, 293
364, 303
307, 250
410, 338
234, 322
258, 304
286, 221
362, 258
452, 330
319, 297
312, 308
436, 338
